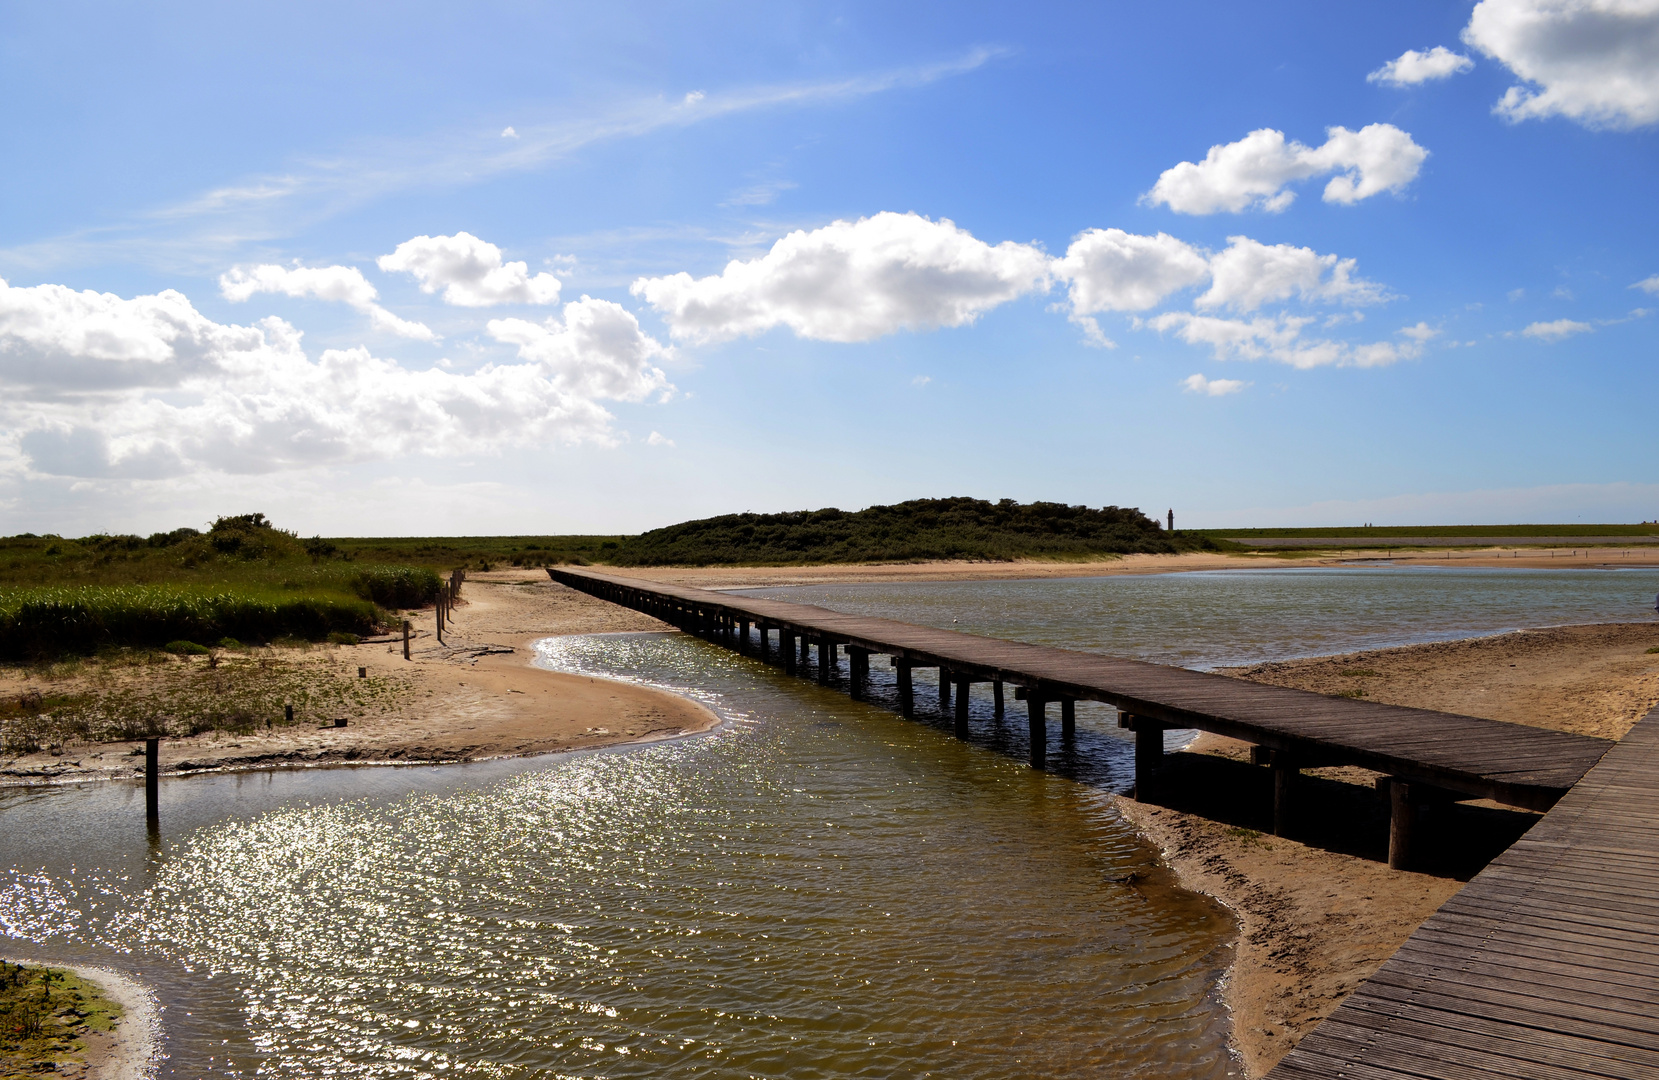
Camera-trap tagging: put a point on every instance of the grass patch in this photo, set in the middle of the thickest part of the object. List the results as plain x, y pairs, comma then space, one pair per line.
1653, 650
1349, 693
1248, 837
145, 695
45, 1015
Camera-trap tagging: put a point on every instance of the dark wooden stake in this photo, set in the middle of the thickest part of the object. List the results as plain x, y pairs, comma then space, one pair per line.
1284, 792
406, 639
152, 780
858, 672
1037, 721
907, 690
1402, 823
1149, 754
1068, 719
826, 660
786, 647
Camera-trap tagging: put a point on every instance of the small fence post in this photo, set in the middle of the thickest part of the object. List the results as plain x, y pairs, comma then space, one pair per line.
406, 639
152, 780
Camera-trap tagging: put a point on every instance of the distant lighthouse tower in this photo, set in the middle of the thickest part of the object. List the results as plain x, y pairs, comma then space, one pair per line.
1172, 521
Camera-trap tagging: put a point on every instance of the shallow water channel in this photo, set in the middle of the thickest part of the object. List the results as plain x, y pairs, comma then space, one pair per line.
819, 888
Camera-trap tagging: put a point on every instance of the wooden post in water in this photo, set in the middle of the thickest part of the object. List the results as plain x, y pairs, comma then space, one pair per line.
1068, 719
786, 649
806, 651
152, 780
763, 638
996, 698
944, 690
406, 639
1149, 752
1402, 821
907, 690
826, 654
743, 636
858, 672
962, 708
1037, 722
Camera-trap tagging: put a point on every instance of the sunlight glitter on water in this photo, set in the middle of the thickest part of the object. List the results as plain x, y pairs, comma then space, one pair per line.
821, 889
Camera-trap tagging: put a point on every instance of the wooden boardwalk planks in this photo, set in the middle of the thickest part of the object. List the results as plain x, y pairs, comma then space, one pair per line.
1509, 763
1545, 965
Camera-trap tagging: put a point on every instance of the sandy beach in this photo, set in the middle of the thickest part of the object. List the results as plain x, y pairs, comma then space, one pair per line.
1318, 913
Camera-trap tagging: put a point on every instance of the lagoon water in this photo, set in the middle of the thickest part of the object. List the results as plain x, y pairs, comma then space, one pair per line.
817, 889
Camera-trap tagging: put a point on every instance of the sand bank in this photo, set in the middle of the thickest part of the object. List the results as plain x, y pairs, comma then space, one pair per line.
473, 698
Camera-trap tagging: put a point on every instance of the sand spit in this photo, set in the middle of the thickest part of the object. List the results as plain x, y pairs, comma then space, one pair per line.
474, 698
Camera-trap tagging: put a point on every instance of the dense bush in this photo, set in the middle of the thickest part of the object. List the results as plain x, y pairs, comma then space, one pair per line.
957, 528
55, 621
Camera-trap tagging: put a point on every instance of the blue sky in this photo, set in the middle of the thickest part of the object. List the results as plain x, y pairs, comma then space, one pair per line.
422, 268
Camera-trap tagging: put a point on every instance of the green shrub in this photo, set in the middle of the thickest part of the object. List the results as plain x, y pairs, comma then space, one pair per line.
340, 638
186, 648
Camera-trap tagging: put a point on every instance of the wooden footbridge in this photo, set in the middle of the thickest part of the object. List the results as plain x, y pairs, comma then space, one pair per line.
1546, 965
1428, 756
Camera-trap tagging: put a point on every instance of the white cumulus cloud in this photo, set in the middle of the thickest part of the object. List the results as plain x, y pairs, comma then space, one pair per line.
1198, 384
340, 284
657, 438
1255, 172
1556, 330
598, 350
470, 272
1249, 274
1280, 338
95, 385
1648, 285
1412, 67
851, 281
1112, 270
1593, 61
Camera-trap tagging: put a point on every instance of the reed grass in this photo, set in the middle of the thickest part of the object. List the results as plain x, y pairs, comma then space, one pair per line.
53, 621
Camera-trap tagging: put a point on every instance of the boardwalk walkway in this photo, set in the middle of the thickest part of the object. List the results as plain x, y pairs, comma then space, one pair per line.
1545, 966
1428, 755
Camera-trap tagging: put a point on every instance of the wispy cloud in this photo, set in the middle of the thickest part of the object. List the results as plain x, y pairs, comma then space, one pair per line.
216, 226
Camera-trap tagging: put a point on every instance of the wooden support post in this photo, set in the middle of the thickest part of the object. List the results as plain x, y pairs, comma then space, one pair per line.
826, 661
439, 612
944, 690
288, 714
1037, 721
786, 646
1402, 823
1285, 773
907, 690
806, 652
152, 780
406, 639
858, 672
996, 698
1149, 754
764, 640
1068, 719
962, 708
743, 635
